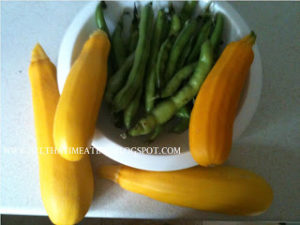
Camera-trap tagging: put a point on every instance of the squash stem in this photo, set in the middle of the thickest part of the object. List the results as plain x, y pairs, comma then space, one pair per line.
110, 172
250, 38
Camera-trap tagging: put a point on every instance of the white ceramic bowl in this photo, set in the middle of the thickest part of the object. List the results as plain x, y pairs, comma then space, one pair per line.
107, 138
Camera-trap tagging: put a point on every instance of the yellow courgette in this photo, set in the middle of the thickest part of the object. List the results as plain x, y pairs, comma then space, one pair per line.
220, 189
80, 101
214, 111
66, 187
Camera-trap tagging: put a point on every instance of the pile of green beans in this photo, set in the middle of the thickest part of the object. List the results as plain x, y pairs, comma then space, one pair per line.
156, 72
166, 109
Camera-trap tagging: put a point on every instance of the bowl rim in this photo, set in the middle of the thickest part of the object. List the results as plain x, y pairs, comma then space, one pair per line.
162, 162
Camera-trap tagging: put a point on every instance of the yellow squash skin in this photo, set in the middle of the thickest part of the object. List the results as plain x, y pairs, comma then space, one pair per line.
214, 111
66, 187
221, 189
80, 101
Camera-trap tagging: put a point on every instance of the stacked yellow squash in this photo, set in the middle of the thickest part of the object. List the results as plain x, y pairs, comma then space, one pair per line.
67, 187
80, 101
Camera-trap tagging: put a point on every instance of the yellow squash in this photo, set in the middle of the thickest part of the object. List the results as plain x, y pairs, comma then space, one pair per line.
80, 101
214, 111
220, 189
66, 187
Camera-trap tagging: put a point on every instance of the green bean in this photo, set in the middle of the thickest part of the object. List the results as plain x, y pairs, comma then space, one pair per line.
132, 109
118, 45
203, 67
175, 25
100, 20
136, 75
183, 115
191, 44
134, 32
184, 112
162, 59
203, 36
216, 36
118, 79
181, 41
165, 48
157, 131
181, 126
166, 30
185, 54
166, 109
188, 10
157, 38
134, 37
150, 95
171, 10
177, 80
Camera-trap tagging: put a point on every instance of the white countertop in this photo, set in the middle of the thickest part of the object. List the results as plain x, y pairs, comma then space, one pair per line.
270, 146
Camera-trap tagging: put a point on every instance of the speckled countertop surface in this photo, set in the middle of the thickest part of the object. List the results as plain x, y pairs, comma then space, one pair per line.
270, 146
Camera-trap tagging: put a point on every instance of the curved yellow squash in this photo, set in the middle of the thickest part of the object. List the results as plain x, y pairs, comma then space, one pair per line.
80, 101
66, 187
219, 189
214, 111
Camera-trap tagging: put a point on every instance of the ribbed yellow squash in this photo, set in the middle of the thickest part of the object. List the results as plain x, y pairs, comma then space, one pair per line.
80, 101
214, 111
66, 187
220, 189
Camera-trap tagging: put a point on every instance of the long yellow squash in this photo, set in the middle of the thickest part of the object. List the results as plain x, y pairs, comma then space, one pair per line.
214, 111
80, 101
220, 189
66, 187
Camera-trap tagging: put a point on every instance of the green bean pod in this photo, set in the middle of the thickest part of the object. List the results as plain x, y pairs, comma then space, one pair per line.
171, 10
185, 54
188, 10
136, 75
177, 80
158, 35
157, 131
132, 109
134, 31
203, 36
118, 79
216, 36
163, 53
165, 110
162, 59
203, 67
134, 37
183, 115
181, 41
150, 95
175, 25
118, 45
184, 112
181, 126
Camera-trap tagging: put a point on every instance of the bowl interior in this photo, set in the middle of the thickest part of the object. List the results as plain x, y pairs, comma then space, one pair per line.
105, 120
